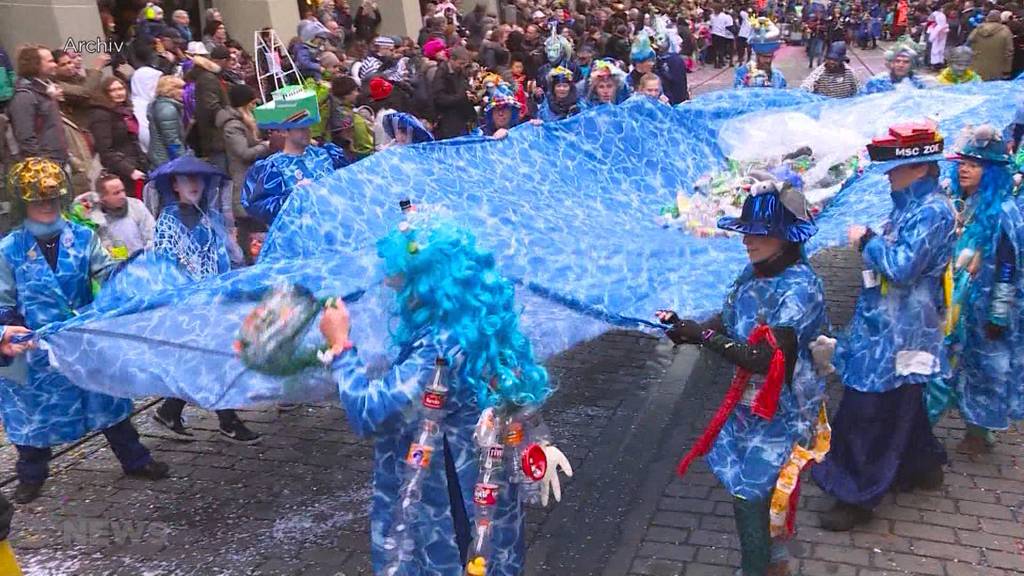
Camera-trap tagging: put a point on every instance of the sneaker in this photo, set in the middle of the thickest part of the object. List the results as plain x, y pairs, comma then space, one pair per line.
174, 427
26, 492
236, 431
843, 517
153, 470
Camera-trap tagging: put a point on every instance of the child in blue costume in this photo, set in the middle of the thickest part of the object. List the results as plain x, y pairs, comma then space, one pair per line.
901, 60
451, 304
760, 73
778, 289
193, 238
560, 97
986, 340
894, 345
270, 181
47, 270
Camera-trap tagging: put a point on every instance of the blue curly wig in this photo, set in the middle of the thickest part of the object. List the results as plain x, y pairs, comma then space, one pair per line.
450, 284
996, 183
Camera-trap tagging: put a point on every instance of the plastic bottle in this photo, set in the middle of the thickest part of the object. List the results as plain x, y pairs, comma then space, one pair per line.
489, 439
400, 543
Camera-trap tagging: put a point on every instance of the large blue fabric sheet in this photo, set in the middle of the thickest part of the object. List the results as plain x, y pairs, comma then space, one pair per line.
568, 208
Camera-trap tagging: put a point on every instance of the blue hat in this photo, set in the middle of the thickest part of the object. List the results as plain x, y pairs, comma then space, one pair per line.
641, 51
765, 36
775, 209
912, 143
984, 144
402, 121
837, 51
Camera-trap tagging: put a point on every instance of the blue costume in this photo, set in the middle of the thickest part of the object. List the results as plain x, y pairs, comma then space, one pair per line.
47, 272
758, 79
986, 340
552, 108
440, 328
270, 181
893, 346
764, 42
884, 83
784, 294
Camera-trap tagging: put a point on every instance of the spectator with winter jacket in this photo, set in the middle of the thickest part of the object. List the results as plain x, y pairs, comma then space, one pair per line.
78, 88
992, 43
7, 79
349, 129
453, 101
210, 97
367, 20
166, 121
33, 111
124, 224
115, 135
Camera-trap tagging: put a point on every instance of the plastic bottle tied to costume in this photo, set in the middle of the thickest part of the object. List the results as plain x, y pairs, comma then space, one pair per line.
431, 410
8, 564
528, 463
489, 439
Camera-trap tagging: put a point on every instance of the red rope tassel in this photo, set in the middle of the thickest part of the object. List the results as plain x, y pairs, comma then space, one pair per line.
766, 401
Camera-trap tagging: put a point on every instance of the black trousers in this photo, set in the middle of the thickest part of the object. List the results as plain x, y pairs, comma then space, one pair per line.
723, 49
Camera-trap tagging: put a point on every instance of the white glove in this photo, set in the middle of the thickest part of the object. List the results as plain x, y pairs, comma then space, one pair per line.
822, 350
550, 483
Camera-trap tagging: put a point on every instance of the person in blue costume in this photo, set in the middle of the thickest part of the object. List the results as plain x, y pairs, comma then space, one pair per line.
561, 99
605, 85
501, 112
48, 266
901, 60
894, 344
764, 43
780, 290
559, 53
670, 68
270, 181
986, 339
402, 129
192, 236
456, 320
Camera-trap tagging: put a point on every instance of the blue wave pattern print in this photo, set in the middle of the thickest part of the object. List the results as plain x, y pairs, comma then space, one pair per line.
567, 208
896, 335
45, 408
750, 450
382, 407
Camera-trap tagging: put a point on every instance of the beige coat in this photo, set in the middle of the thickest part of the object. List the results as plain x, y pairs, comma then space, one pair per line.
992, 43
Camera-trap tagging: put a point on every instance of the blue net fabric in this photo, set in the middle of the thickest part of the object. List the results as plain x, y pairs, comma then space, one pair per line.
568, 209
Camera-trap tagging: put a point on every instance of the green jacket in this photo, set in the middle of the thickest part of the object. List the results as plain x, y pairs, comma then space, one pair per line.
6, 77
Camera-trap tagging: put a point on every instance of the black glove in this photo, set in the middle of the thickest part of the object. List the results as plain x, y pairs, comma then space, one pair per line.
994, 331
685, 332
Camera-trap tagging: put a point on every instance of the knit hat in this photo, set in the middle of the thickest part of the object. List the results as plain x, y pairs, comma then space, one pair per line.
433, 47
220, 53
384, 42
197, 49
380, 89
240, 95
837, 52
994, 16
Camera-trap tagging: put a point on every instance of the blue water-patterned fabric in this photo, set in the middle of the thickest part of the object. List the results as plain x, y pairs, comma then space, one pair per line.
883, 83
896, 335
987, 378
750, 450
270, 181
567, 208
45, 408
743, 79
381, 407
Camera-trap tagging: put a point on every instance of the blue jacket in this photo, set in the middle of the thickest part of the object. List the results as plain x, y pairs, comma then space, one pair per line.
306, 61
883, 83
270, 181
41, 407
896, 335
743, 80
750, 450
672, 70
381, 408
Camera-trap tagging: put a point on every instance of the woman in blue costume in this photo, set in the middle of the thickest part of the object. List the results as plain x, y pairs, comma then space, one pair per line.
501, 112
901, 60
269, 182
48, 267
780, 290
986, 340
605, 85
894, 345
760, 74
453, 309
192, 238
560, 98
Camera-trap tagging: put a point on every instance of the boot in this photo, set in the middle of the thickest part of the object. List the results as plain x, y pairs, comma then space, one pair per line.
843, 517
153, 470
931, 480
26, 492
752, 520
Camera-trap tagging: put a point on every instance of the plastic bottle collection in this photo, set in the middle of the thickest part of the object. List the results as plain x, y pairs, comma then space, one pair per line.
510, 452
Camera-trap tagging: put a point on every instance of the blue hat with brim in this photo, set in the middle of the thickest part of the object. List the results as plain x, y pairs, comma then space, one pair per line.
766, 214
404, 121
984, 144
767, 48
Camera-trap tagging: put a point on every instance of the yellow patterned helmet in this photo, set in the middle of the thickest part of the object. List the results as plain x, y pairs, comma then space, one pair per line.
36, 179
